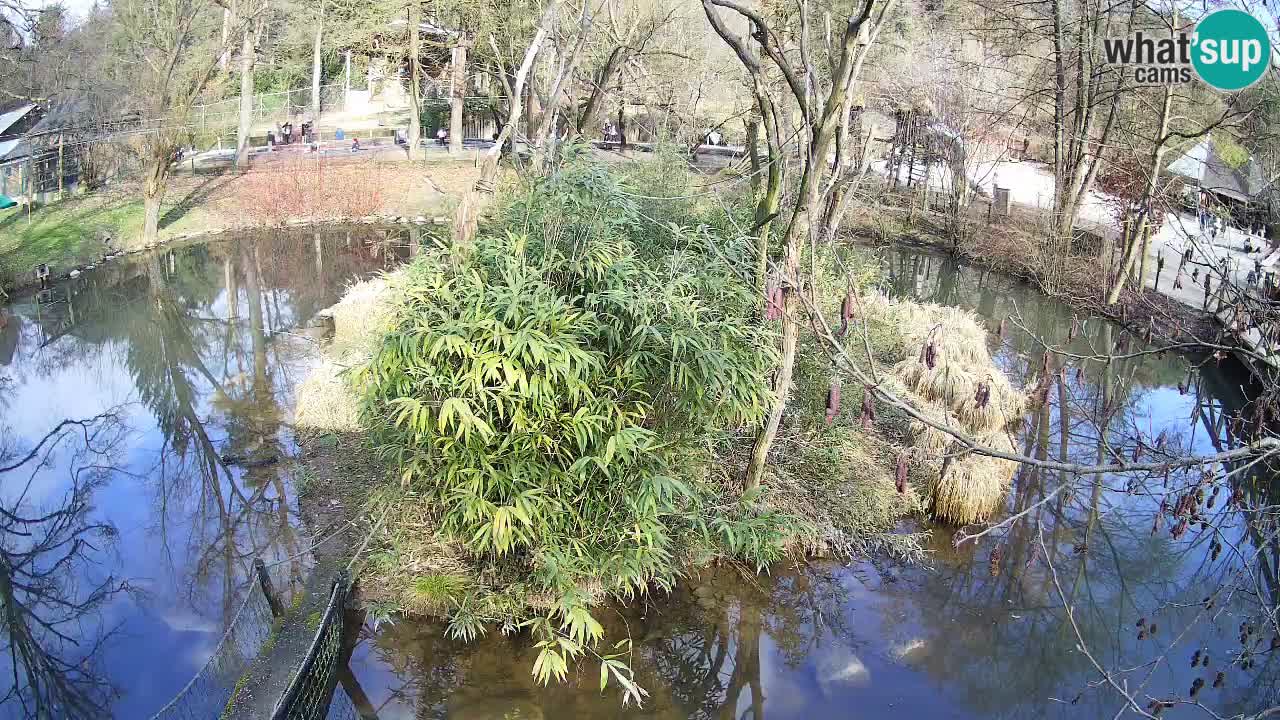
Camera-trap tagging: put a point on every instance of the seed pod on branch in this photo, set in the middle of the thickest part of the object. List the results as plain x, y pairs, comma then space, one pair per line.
772, 301
900, 475
868, 409
1075, 328
997, 555
983, 394
1003, 327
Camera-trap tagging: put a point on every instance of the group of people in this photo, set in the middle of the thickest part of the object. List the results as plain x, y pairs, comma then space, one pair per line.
611, 132
1213, 225
284, 134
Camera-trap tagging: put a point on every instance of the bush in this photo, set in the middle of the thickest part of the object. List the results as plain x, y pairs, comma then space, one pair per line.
553, 395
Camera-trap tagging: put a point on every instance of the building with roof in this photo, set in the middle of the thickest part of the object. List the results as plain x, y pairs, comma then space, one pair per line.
40, 150
1239, 186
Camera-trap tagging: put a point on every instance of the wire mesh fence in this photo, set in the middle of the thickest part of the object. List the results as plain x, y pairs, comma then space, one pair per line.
277, 107
206, 694
310, 691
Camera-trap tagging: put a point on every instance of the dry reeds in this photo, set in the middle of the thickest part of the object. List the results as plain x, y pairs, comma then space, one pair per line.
363, 315
970, 489
954, 382
326, 400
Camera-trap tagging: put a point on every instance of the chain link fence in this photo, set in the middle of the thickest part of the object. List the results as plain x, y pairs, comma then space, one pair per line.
268, 108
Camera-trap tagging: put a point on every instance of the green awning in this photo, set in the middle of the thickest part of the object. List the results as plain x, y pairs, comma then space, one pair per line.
6, 202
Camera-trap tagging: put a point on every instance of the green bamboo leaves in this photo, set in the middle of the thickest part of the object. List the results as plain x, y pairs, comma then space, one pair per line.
555, 395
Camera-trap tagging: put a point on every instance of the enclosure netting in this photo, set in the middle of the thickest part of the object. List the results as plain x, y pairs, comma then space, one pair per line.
311, 688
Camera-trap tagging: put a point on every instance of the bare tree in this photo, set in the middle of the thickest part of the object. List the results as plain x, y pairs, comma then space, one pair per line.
819, 96
170, 49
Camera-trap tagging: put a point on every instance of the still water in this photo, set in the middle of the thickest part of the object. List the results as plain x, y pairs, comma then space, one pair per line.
958, 639
126, 538
144, 420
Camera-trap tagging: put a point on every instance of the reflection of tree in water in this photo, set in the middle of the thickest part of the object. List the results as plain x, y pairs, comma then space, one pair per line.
697, 652
1113, 566
196, 328
49, 601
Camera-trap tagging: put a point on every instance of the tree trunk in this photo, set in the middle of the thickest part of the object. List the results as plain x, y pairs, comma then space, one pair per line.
157, 178
223, 56
586, 119
765, 212
543, 137
466, 219
246, 98
414, 134
458, 100
622, 127
1135, 239
315, 71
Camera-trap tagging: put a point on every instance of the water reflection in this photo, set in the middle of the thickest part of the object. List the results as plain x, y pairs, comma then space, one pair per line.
982, 633
52, 591
195, 350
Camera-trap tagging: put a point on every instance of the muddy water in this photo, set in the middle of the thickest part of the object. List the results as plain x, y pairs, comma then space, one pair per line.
965, 637
126, 537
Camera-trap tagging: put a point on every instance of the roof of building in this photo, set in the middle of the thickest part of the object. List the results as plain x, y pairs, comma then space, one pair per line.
60, 114
8, 119
426, 28
1203, 164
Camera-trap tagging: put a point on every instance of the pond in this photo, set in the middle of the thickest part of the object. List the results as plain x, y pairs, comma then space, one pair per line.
961, 638
144, 424
178, 367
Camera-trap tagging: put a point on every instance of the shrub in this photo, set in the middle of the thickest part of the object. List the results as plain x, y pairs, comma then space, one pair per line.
553, 394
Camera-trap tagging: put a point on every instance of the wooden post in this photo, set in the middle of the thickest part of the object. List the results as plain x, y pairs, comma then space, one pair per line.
277, 608
60, 166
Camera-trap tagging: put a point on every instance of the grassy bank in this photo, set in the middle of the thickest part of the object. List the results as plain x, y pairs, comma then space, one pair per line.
63, 235
69, 233
563, 413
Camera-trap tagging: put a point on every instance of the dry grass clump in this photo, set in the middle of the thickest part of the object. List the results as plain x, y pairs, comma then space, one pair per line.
326, 399
972, 487
415, 548
954, 381
363, 315
839, 483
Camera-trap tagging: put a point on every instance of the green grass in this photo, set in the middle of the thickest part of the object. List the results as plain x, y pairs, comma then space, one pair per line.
64, 234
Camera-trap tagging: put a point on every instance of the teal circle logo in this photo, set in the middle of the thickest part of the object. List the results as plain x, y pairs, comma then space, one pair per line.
1231, 50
